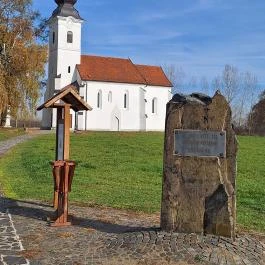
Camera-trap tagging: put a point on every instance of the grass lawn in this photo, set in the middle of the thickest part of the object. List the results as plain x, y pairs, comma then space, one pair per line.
5, 134
124, 170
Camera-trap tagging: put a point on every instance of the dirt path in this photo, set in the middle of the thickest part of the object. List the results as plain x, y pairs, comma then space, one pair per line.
8, 144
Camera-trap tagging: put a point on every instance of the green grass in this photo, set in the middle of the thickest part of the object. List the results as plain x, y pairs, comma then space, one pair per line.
120, 170
124, 170
6, 134
251, 182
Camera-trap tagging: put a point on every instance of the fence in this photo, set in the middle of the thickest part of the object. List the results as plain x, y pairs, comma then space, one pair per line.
25, 123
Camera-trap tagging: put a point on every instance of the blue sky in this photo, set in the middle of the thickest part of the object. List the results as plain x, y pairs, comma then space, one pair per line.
201, 36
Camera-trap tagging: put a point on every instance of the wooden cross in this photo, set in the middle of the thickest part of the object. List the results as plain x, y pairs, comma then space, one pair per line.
63, 169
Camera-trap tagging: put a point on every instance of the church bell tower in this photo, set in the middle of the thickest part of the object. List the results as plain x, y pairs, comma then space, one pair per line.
64, 51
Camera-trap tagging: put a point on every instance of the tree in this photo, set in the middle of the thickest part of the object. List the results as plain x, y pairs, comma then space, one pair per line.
216, 84
193, 83
237, 88
256, 117
248, 90
22, 56
230, 82
205, 85
176, 75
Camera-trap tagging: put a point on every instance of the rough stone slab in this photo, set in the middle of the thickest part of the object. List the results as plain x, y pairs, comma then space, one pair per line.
199, 192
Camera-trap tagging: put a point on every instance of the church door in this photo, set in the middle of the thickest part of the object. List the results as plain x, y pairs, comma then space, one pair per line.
117, 124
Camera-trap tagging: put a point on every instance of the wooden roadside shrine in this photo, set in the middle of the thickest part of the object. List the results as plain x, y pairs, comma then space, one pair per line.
63, 169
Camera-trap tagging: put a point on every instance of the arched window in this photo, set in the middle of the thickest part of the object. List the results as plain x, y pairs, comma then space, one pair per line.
69, 37
126, 100
99, 100
154, 105
69, 69
53, 37
110, 97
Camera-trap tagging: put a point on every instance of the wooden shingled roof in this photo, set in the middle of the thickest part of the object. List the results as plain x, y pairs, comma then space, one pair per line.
68, 95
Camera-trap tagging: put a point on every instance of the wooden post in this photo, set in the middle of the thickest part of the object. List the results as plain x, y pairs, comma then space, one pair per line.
59, 149
67, 131
61, 196
65, 197
62, 180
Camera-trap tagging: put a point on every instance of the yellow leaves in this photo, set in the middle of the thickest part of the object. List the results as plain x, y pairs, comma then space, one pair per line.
23, 60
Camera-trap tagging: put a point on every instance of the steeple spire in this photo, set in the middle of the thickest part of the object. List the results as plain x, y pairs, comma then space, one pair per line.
61, 2
66, 8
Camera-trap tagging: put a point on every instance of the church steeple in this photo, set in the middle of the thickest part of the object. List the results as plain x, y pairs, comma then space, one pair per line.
66, 8
61, 2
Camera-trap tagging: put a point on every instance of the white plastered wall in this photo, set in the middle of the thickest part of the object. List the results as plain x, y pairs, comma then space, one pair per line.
129, 119
156, 121
105, 118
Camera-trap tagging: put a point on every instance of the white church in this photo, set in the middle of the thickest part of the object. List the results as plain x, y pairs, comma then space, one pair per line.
124, 96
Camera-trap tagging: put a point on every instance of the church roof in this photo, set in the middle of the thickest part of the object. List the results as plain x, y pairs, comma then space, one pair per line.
118, 70
66, 8
154, 75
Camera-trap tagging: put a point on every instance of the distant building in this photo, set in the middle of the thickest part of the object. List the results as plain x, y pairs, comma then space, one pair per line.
124, 96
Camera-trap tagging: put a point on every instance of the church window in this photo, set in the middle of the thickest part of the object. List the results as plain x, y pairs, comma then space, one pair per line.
110, 97
53, 37
99, 100
154, 105
126, 100
69, 37
69, 69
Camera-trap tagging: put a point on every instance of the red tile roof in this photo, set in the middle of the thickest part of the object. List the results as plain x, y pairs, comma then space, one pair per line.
108, 69
154, 75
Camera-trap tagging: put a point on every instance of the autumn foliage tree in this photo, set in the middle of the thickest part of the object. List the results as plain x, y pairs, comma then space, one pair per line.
22, 56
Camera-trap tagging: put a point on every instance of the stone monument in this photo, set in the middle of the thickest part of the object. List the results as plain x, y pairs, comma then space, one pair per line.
199, 166
8, 119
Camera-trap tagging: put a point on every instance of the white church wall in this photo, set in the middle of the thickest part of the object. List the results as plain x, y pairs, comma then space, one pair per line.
142, 106
156, 121
112, 113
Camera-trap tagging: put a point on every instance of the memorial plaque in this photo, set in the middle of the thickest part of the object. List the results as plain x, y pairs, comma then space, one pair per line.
200, 143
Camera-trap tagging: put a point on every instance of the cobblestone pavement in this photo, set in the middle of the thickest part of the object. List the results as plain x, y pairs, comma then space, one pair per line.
114, 237
10, 244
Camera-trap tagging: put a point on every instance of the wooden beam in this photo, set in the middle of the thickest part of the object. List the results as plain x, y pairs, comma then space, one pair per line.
58, 106
68, 95
57, 97
67, 127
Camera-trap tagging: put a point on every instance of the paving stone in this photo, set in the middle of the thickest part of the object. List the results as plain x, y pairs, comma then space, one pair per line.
14, 260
